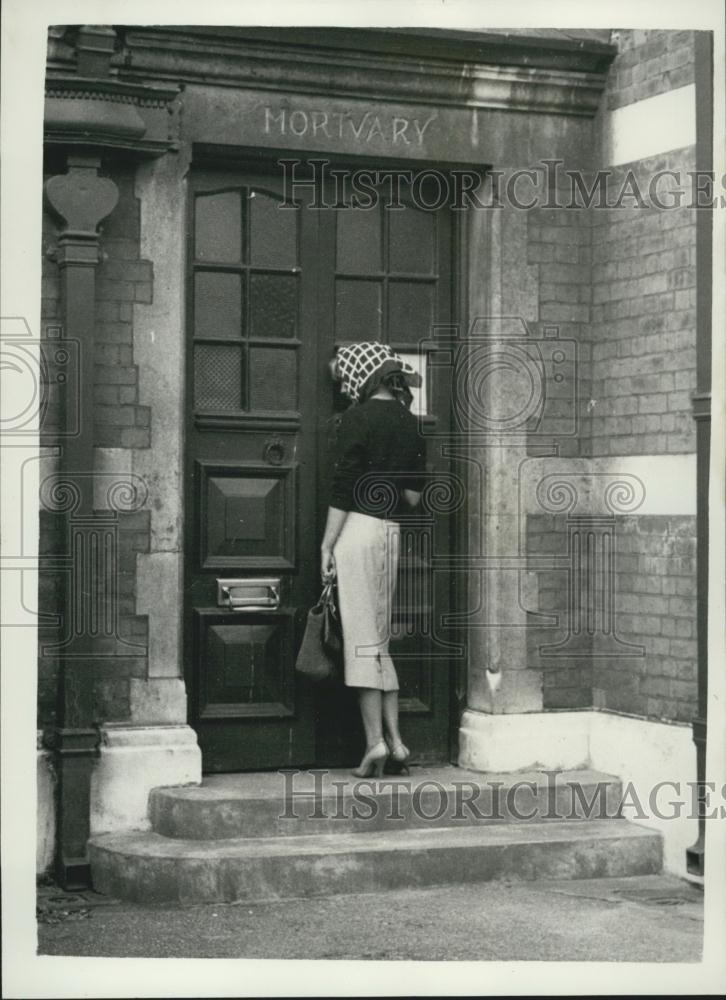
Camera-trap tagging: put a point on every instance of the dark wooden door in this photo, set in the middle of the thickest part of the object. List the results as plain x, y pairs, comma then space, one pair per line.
386, 275
271, 292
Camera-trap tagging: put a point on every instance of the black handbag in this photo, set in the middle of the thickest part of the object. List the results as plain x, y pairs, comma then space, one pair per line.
321, 651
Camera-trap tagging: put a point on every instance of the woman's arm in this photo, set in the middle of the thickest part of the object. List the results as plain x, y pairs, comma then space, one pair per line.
349, 464
333, 527
418, 470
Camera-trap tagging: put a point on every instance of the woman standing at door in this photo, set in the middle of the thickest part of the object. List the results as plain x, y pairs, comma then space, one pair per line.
378, 477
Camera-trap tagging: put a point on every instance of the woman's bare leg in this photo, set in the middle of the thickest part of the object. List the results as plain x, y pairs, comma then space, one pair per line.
376, 753
369, 700
390, 717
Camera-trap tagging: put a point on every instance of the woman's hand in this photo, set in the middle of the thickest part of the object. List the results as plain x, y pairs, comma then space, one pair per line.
335, 522
327, 564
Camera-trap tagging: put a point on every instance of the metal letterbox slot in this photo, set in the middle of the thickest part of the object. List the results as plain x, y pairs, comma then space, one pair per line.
249, 595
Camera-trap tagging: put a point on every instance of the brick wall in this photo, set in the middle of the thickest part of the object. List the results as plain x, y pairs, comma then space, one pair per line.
116, 660
566, 681
643, 322
119, 422
559, 242
643, 336
122, 279
621, 281
649, 63
656, 605
655, 588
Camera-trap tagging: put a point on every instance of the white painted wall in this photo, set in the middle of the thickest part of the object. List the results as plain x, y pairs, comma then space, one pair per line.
645, 753
668, 481
524, 741
45, 814
651, 126
637, 751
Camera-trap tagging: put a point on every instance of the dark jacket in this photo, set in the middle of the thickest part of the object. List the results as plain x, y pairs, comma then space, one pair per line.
379, 453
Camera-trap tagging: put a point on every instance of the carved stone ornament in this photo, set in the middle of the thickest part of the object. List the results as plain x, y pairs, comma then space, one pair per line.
80, 197
110, 114
92, 108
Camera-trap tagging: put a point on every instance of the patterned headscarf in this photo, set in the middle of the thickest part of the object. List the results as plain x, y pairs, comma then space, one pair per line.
355, 363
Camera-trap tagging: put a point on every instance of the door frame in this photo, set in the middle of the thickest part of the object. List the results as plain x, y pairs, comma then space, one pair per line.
256, 159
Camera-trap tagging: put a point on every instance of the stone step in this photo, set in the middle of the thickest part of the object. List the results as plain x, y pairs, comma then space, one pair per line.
276, 804
148, 868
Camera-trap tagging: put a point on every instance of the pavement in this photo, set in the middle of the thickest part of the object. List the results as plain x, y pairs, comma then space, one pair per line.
652, 918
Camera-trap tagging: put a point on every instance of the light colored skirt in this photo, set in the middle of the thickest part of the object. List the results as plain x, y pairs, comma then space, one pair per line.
366, 561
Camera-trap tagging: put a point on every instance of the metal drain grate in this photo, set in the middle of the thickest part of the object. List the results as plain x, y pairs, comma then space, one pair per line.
657, 897
53, 905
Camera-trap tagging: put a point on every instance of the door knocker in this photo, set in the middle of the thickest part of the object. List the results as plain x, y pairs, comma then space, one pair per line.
274, 451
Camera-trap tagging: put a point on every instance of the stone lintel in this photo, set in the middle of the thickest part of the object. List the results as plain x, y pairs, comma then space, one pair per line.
499, 47
364, 75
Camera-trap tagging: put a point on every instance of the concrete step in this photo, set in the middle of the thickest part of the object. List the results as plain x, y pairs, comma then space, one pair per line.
148, 868
301, 803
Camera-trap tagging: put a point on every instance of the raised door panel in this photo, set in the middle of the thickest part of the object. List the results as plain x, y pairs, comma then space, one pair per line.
248, 669
247, 516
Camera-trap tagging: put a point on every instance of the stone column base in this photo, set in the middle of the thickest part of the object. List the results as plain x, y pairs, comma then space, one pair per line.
526, 740
133, 760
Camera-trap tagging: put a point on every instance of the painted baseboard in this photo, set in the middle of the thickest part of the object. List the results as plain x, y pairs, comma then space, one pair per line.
133, 760
642, 753
45, 809
647, 753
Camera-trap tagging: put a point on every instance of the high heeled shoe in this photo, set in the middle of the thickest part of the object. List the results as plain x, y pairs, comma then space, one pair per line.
398, 757
373, 761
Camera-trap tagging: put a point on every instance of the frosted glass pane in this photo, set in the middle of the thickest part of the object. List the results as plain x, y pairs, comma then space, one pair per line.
273, 379
410, 311
273, 232
217, 377
411, 243
273, 305
357, 310
217, 305
358, 249
218, 227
